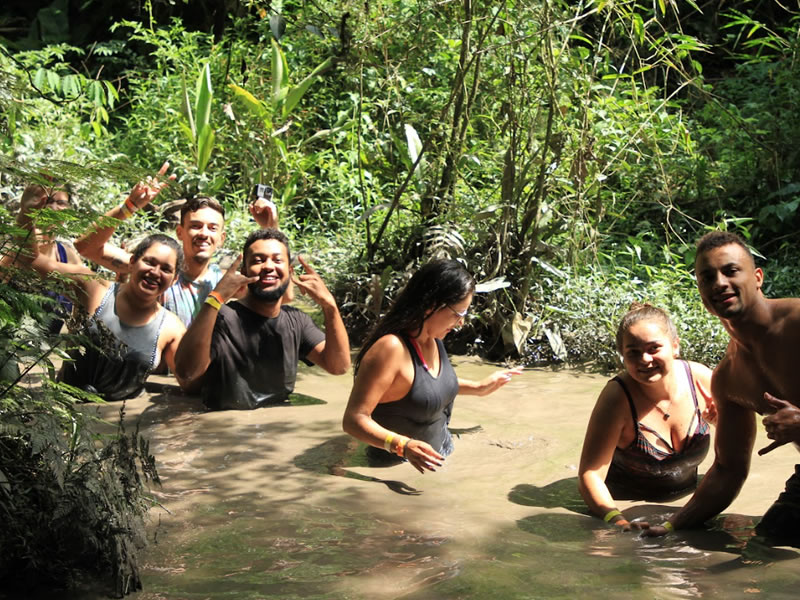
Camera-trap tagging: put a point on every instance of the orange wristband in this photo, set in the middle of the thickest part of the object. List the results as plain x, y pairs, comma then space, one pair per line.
217, 296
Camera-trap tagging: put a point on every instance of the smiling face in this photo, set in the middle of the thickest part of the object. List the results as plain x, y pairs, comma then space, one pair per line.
728, 280
648, 351
154, 271
442, 321
201, 233
269, 261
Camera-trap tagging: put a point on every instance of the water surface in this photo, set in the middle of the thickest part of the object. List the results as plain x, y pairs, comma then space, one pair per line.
279, 503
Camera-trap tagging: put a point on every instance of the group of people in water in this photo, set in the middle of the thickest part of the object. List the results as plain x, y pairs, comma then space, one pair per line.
234, 338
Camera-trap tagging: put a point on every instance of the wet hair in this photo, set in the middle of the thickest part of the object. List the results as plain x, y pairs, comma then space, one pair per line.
645, 312
159, 238
265, 234
437, 284
717, 239
198, 202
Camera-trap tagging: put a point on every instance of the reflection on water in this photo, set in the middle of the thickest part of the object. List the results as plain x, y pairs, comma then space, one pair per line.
282, 504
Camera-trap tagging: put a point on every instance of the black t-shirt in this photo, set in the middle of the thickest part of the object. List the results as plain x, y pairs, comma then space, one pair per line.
254, 359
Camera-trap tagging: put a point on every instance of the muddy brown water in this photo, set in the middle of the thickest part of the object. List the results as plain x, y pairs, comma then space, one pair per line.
279, 503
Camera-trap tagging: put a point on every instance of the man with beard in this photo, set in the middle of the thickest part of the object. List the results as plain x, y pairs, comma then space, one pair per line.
244, 354
758, 368
201, 231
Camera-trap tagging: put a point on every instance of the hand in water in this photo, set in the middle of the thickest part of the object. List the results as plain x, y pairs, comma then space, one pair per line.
655, 531
783, 425
624, 525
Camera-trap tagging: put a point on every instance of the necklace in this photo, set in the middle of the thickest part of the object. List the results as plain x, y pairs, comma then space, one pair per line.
665, 412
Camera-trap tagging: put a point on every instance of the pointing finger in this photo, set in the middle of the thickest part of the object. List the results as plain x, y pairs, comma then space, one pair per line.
164, 168
776, 402
235, 264
771, 447
306, 266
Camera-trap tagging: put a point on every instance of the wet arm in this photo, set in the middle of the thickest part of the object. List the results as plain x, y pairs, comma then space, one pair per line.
488, 384
194, 352
733, 446
333, 354
602, 437
95, 245
376, 375
175, 332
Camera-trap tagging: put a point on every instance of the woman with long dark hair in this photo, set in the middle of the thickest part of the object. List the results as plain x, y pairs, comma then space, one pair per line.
404, 387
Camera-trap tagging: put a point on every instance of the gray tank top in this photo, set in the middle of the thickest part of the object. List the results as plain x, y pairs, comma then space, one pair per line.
424, 412
141, 341
114, 366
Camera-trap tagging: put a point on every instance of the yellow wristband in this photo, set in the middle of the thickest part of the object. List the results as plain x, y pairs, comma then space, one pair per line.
213, 303
668, 526
126, 212
611, 514
387, 443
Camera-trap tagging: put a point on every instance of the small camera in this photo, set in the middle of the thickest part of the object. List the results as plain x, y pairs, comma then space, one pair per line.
262, 190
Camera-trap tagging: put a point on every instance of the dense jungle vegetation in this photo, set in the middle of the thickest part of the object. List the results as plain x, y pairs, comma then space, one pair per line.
570, 153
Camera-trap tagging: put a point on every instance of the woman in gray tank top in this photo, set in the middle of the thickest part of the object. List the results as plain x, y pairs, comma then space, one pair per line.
141, 331
404, 388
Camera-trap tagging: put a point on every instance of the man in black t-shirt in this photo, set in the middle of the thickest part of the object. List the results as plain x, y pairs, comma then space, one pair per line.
244, 354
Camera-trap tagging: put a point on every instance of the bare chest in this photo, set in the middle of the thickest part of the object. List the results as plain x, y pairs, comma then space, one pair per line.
768, 369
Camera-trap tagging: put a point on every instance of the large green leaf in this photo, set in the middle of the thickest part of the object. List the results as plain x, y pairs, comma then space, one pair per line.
203, 99
297, 92
250, 102
186, 109
205, 144
280, 73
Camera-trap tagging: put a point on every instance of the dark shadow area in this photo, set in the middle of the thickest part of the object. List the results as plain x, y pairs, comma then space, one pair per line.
465, 431
333, 456
558, 494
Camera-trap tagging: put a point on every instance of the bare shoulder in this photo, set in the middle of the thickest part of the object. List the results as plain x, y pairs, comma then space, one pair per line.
701, 373
786, 316
387, 348
612, 399
173, 327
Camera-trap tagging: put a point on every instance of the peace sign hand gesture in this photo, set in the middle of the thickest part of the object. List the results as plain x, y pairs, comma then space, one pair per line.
143, 192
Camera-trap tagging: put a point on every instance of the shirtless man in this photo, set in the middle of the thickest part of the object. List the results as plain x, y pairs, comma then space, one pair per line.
758, 368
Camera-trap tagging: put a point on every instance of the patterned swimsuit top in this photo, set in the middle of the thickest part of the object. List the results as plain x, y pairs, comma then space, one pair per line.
643, 445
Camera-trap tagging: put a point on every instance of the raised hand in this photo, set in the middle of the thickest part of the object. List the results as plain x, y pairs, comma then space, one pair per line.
143, 192
265, 213
311, 284
783, 425
234, 282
